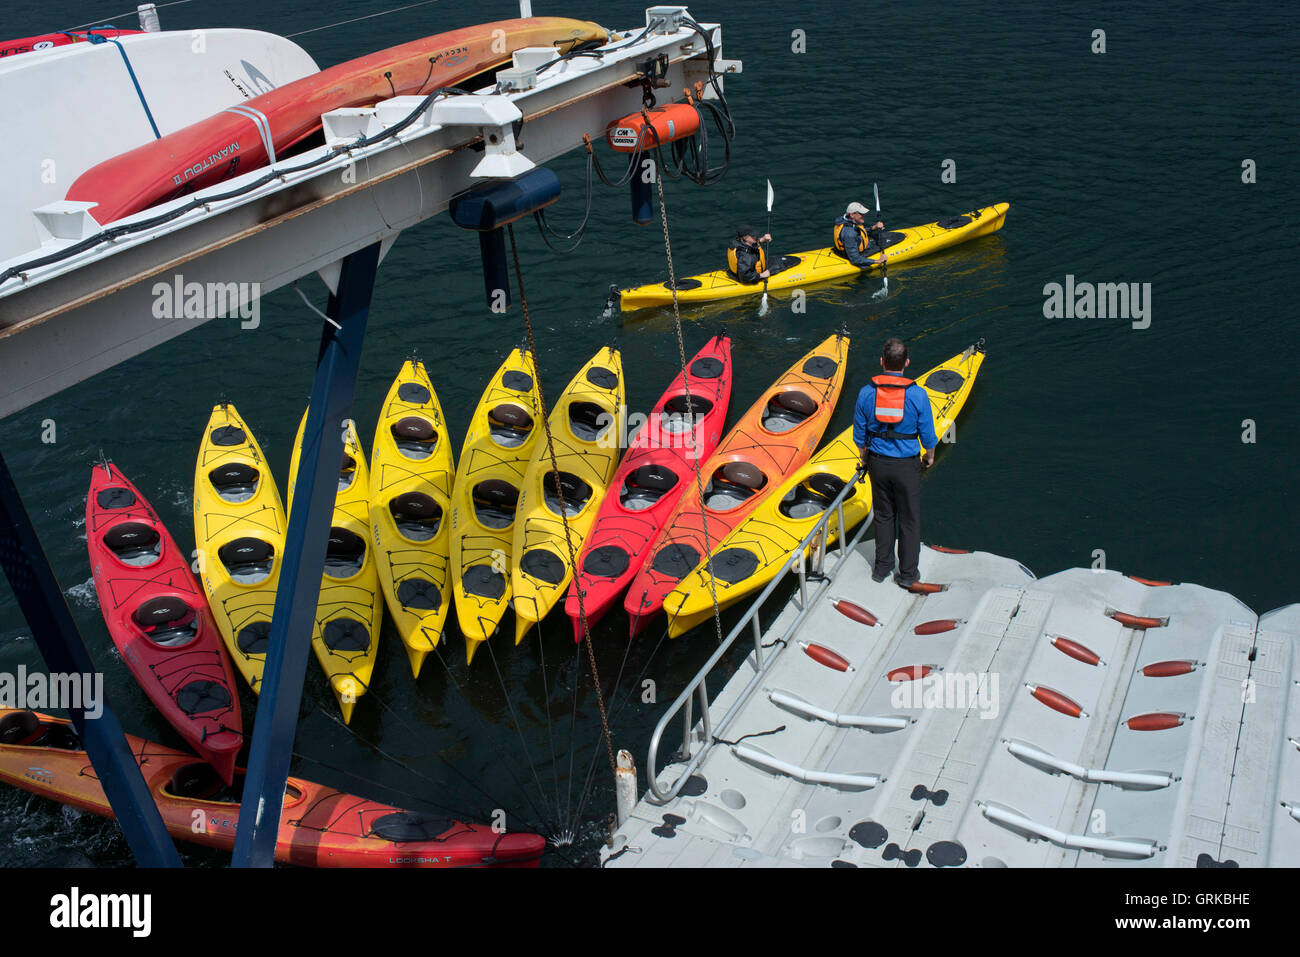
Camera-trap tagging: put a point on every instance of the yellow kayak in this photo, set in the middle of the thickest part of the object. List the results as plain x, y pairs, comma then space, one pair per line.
586, 425
749, 557
349, 610
239, 526
820, 265
502, 434
411, 472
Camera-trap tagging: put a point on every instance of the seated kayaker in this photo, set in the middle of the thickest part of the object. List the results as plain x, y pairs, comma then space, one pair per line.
852, 236
746, 260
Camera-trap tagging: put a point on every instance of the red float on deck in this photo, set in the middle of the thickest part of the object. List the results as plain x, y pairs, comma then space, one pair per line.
1169, 669
1136, 622
1154, 583
854, 611
949, 551
1057, 701
936, 627
824, 656
1156, 721
909, 673
1075, 650
925, 588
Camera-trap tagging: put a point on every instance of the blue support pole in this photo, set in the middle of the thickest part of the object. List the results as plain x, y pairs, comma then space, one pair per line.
303, 562
46, 611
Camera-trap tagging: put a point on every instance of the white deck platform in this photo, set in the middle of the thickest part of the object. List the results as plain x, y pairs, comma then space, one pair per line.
998, 778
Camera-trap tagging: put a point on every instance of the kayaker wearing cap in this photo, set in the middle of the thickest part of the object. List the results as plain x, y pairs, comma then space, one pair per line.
892, 414
746, 259
852, 235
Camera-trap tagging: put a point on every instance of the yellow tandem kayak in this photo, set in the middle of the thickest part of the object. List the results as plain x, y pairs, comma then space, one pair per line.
349, 610
503, 433
752, 555
821, 265
411, 472
239, 526
586, 425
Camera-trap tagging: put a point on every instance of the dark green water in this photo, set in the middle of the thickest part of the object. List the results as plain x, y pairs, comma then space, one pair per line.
1082, 434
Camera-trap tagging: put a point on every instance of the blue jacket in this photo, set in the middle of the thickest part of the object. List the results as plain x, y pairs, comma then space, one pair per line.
850, 241
917, 417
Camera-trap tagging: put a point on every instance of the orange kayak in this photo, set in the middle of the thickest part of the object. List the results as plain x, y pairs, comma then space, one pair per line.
320, 827
771, 440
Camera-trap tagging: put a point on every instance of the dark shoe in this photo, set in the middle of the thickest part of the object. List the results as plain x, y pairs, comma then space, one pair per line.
902, 582
878, 578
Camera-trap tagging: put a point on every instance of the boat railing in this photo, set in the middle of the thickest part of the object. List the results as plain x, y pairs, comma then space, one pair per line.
696, 691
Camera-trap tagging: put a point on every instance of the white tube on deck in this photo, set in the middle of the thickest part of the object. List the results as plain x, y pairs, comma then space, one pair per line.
625, 785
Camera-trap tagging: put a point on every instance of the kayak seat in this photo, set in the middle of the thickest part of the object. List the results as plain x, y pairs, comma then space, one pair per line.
167, 621
416, 515
415, 437
345, 553
786, 410
235, 481
200, 782
509, 426
645, 486
811, 497
732, 485
20, 728
134, 543
60, 736
347, 472
588, 421
576, 493
247, 560
495, 502
681, 414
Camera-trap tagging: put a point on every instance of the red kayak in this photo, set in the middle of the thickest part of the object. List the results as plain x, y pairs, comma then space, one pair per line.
48, 41
656, 471
158, 617
320, 827
257, 131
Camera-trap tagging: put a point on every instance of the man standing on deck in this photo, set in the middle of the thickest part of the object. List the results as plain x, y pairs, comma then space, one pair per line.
852, 236
892, 414
746, 259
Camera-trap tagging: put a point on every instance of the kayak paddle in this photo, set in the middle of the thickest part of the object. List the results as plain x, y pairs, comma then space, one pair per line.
762, 307
884, 261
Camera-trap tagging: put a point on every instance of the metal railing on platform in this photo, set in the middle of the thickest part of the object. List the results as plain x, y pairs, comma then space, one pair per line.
816, 541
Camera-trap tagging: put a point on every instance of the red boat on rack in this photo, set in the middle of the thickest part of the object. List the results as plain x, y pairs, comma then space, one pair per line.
257, 131
659, 467
159, 620
47, 41
320, 827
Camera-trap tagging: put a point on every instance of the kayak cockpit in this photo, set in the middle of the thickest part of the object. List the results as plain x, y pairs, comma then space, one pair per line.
509, 426
347, 472
235, 482
415, 437
810, 497
732, 485
416, 516
588, 421
495, 502
681, 413
248, 560
575, 492
645, 486
345, 553
25, 729
168, 621
786, 410
134, 543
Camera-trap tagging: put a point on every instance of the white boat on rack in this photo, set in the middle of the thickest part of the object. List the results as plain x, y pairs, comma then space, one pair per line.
1086, 719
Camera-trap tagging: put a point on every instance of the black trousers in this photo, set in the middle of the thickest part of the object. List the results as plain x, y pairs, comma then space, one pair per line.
896, 499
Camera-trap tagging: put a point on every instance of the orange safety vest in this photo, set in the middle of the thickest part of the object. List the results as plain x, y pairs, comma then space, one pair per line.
734, 267
891, 399
863, 238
